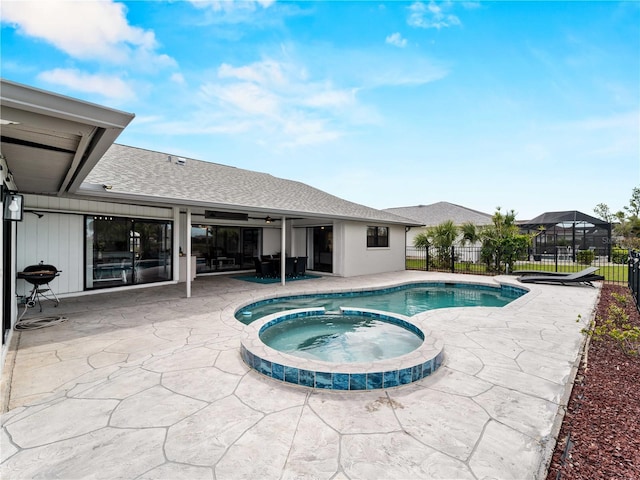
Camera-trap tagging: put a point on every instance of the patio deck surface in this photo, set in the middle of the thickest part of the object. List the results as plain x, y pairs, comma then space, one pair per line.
148, 384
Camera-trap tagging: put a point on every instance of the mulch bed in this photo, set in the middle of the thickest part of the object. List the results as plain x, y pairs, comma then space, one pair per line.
600, 434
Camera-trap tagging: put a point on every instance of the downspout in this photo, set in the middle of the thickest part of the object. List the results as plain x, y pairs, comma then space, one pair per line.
283, 256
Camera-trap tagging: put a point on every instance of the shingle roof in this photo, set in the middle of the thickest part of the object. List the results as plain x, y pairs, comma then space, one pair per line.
437, 213
157, 177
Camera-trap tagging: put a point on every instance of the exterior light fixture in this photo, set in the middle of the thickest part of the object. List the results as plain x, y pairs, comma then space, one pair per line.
268, 220
107, 187
13, 207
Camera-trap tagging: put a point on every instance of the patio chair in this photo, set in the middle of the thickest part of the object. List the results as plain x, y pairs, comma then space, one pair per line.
263, 269
301, 266
289, 266
585, 277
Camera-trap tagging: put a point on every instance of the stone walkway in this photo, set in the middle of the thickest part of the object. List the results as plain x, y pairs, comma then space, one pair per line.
149, 385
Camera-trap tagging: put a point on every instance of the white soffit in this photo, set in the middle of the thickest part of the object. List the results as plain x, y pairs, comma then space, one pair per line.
51, 142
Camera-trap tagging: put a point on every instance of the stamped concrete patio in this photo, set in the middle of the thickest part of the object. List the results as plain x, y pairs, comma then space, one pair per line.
148, 384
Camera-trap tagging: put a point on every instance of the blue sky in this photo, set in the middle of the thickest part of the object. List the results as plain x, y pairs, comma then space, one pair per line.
530, 106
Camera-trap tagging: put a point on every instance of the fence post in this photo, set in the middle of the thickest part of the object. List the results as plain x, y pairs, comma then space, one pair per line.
633, 280
426, 266
453, 259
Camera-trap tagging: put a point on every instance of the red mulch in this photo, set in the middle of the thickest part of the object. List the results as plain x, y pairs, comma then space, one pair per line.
603, 416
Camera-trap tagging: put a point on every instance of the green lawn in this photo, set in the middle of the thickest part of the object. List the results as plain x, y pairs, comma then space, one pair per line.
611, 273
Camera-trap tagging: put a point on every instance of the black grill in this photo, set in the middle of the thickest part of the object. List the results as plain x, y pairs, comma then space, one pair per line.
39, 276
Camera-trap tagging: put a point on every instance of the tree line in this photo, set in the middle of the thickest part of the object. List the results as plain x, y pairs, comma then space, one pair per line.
626, 224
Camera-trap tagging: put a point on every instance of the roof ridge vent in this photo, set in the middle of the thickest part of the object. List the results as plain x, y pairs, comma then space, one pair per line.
181, 161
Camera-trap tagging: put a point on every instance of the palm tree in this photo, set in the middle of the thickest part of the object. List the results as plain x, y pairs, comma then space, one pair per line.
442, 237
502, 242
444, 234
470, 233
421, 240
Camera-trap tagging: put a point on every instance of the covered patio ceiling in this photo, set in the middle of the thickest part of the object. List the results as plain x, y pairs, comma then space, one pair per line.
49, 142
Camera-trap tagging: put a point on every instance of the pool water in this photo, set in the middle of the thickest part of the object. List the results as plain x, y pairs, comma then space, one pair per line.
406, 300
340, 338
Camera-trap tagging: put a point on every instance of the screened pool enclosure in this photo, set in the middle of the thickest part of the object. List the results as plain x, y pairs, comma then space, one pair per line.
561, 235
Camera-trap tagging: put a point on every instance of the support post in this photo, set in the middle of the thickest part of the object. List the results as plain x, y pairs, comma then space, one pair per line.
176, 244
283, 256
188, 252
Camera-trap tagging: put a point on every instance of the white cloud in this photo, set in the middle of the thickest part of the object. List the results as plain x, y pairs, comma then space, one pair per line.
396, 40
106, 85
244, 97
274, 102
231, 5
86, 30
303, 131
278, 103
177, 78
270, 87
267, 72
330, 98
432, 15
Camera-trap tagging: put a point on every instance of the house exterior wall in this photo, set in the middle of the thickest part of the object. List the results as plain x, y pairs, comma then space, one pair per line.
57, 238
299, 242
43, 204
271, 241
353, 257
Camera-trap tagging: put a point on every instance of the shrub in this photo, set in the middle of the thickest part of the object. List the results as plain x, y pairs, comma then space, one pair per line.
619, 255
615, 325
585, 256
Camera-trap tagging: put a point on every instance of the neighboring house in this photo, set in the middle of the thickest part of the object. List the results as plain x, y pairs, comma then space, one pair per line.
437, 213
116, 217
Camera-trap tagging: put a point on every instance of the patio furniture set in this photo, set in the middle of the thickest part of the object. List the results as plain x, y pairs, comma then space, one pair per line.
271, 267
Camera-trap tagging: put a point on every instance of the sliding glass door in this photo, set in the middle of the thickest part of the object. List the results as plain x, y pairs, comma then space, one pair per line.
323, 249
223, 248
121, 251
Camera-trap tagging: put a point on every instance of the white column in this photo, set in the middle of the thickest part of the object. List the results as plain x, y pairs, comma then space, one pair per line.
176, 243
283, 256
188, 252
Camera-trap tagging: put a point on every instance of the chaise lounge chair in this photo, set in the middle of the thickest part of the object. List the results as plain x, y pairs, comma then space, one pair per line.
585, 277
586, 271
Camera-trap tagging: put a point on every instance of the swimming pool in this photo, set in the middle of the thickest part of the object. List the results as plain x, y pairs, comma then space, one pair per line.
408, 300
399, 304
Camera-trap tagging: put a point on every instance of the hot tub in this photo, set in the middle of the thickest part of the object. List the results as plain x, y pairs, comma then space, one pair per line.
421, 356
